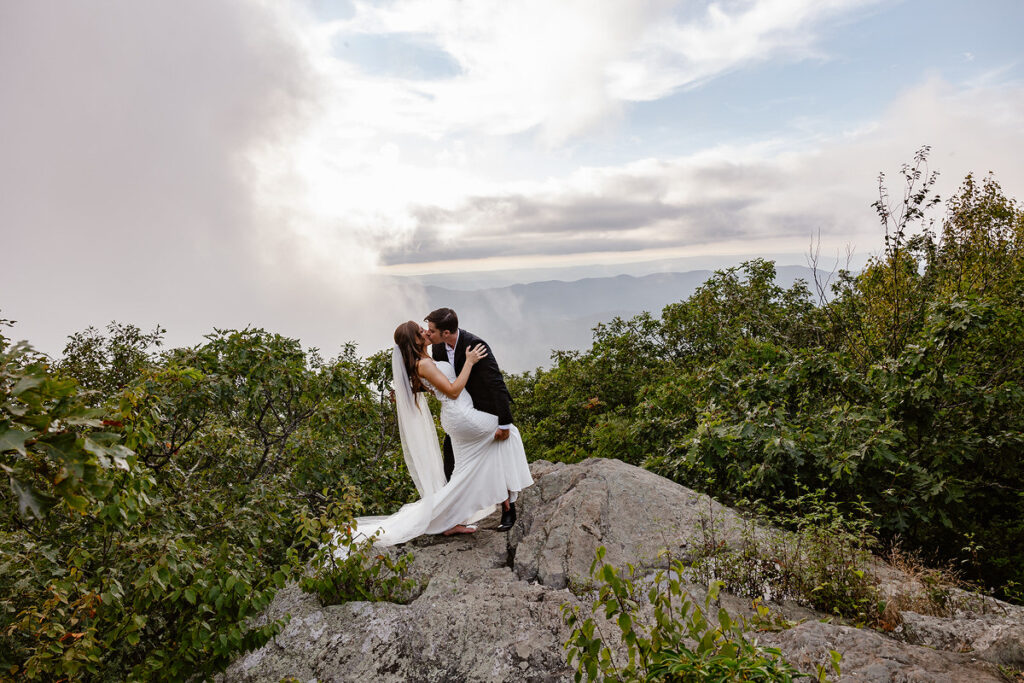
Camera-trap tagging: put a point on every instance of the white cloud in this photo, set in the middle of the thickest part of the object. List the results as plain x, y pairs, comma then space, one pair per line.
147, 173
769, 196
530, 73
676, 54
216, 163
563, 68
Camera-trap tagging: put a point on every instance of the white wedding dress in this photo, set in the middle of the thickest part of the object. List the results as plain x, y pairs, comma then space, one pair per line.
486, 471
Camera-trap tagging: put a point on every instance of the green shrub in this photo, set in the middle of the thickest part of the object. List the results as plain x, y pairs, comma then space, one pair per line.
344, 569
681, 640
149, 519
814, 555
901, 387
101, 579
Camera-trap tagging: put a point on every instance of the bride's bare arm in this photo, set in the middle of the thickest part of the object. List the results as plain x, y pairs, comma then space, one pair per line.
429, 371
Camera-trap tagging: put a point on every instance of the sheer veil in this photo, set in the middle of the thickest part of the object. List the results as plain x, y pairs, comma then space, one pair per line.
423, 458
419, 436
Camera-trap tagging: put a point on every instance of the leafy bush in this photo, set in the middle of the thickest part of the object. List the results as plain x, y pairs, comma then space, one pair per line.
665, 634
113, 574
151, 517
104, 365
901, 387
814, 555
343, 568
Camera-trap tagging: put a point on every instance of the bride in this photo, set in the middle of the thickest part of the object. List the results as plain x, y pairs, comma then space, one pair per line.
487, 471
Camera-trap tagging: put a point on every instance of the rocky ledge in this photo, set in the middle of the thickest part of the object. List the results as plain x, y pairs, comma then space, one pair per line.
492, 606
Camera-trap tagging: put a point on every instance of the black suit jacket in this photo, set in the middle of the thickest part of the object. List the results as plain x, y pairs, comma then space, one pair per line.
486, 385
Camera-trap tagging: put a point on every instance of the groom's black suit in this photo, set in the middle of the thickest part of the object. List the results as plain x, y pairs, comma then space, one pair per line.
486, 386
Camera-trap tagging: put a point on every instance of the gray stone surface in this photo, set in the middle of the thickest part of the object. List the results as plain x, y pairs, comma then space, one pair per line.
870, 657
966, 622
491, 609
635, 514
997, 638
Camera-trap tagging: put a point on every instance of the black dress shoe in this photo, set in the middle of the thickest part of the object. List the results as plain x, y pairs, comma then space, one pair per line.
508, 518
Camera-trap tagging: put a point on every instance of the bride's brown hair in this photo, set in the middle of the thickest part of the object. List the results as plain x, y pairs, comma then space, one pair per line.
409, 342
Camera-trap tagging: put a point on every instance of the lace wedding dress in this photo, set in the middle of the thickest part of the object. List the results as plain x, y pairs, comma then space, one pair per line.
486, 470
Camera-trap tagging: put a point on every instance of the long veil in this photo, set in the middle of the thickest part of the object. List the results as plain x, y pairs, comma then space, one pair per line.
423, 458
416, 427
419, 440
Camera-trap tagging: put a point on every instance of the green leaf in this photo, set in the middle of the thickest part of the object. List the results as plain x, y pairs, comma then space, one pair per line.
836, 659
26, 383
14, 440
29, 500
119, 455
90, 446
76, 502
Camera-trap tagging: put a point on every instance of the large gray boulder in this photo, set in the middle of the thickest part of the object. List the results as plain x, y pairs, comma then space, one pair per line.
492, 606
635, 514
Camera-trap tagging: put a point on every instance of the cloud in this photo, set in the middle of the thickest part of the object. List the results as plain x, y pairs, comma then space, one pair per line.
781, 191
524, 226
403, 55
148, 175
677, 53
227, 162
406, 149
562, 69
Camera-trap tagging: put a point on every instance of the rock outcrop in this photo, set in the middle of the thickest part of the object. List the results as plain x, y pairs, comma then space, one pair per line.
492, 606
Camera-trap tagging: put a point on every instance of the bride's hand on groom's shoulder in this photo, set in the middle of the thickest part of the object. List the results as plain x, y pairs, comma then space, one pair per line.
475, 354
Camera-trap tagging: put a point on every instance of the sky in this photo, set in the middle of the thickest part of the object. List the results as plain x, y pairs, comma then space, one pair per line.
296, 165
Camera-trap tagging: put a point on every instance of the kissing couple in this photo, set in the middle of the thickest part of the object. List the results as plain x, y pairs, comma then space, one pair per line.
484, 463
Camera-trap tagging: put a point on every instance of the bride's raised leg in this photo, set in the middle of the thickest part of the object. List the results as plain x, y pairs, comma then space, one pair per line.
459, 529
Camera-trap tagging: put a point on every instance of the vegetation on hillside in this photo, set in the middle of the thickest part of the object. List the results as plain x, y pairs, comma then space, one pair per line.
898, 390
157, 501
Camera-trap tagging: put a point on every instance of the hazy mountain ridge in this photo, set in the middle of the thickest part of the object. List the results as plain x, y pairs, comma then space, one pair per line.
525, 322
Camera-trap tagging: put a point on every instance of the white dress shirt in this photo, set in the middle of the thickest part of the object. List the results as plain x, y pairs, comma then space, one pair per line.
450, 350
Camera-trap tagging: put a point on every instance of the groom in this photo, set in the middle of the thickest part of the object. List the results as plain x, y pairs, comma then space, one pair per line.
486, 385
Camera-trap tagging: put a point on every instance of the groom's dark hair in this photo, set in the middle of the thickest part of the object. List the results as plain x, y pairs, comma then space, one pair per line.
444, 319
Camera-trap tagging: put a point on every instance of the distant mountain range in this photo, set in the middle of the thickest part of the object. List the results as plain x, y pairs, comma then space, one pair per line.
525, 322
